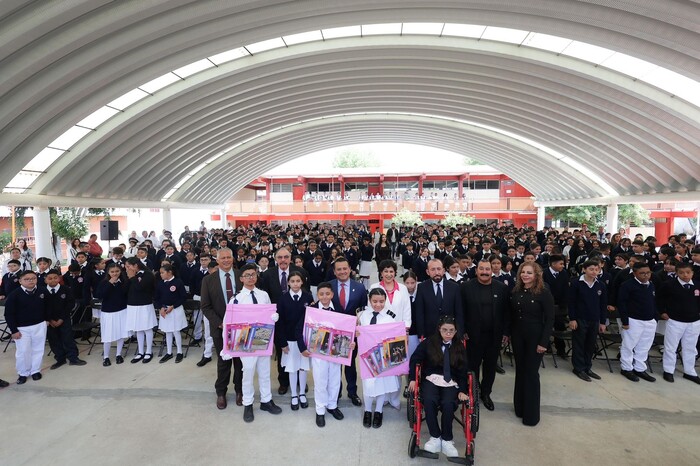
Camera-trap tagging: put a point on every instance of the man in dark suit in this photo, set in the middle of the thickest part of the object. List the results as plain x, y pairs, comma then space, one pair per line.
349, 296
437, 297
486, 315
557, 278
274, 282
217, 291
392, 236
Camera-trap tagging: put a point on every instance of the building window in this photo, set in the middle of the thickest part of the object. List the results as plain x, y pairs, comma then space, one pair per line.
356, 186
282, 188
481, 184
323, 187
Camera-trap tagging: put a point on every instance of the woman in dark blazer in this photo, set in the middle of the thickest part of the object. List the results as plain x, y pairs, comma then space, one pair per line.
532, 308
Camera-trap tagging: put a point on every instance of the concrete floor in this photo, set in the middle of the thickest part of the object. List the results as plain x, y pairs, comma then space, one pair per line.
166, 414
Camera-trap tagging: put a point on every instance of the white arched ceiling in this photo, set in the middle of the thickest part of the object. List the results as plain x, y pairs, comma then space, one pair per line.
60, 61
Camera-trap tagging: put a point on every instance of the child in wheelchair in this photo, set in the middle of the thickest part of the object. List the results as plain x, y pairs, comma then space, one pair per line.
444, 382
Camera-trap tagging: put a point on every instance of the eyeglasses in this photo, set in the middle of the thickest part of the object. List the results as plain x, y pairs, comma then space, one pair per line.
448, 332
249, 275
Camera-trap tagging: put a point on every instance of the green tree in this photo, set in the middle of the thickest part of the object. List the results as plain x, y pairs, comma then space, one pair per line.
470, 161
354, 158
632, 214
595, 215
67, 223
407, 216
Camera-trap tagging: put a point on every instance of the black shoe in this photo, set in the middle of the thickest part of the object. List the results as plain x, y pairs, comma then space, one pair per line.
36, 376
692, 378
668, 377
77, 362
355, 400
203, 362
138, 357
282, 390
165, 358
270, 407
582, 375
178, 358
487, 402
147, 358
592, 375
377, 420
321, 420
500, 370
303, 402
295, 406
405, 392
4, 383
120, 359
57, 365
645, 376
336, 413
366, 420
630, 375
248, 413
106, 362
21, 379
195, 341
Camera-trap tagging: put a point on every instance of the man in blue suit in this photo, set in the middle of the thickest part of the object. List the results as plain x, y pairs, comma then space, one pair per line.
350, 297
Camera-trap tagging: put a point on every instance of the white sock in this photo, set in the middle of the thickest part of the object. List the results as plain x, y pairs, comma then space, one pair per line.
106, 346
149, 340
120, 346
169, 341
139, 339
178, 342
293, 378
302, 383
380, 404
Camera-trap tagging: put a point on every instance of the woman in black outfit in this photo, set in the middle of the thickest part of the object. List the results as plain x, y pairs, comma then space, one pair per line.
382, 251
533, 318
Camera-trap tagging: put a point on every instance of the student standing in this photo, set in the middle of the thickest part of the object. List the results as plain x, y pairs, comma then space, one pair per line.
532, 320
140, 313
588, 298
169, 297
59, 305
113, 327
25, 313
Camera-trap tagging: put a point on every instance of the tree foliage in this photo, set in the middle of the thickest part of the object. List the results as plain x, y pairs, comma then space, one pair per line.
67, 223
595, 215
355, 158
407, 216
453, 219
469, 161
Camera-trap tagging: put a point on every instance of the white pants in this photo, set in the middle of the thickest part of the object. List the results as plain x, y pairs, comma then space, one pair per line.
636, 342
687, 334
327, 377
29, 349
208, 340
251, 364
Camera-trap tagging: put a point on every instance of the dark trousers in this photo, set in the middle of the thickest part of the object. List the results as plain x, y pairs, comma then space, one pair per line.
62, 343
223, 367
560, 324
435, 397
282, 375
526, 396
484, 356
583, 343
350, 375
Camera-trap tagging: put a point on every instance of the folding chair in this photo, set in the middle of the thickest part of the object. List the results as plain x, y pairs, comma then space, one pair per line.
88, 326
612, 337
192, 310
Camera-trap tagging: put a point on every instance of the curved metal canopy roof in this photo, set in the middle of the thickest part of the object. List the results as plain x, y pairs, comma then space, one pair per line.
566, 125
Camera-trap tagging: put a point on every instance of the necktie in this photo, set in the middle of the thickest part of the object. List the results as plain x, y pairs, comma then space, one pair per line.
283, 282
252, 296
686, 286
30, 292
446, 362
412, 298
326, 308
555, 274
438, 295
53, 291
296, 297
229, 287
342, 295
374, 318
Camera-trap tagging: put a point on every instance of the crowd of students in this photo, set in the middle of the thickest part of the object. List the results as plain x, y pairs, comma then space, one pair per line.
499, 285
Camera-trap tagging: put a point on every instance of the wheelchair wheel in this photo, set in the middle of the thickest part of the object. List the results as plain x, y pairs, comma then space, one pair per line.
411, 410
412, 447
474, 385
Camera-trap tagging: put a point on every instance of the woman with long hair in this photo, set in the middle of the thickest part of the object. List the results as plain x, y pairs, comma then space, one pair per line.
74, 248
26, 254
382, 251
532, 319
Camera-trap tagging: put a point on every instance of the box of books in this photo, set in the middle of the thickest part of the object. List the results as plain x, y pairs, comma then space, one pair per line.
249, 330
328, 335
383, 350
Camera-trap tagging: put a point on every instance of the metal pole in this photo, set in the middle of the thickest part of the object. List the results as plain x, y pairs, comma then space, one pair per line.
14, 220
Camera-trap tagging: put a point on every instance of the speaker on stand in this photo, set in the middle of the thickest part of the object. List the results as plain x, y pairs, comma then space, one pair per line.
109, 230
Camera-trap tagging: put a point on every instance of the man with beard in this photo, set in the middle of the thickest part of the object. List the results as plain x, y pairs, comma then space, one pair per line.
437, 297
486, 315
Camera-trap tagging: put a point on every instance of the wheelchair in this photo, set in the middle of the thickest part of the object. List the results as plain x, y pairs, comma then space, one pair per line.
468, 419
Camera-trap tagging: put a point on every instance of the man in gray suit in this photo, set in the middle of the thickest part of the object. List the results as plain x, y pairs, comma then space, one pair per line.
217, 291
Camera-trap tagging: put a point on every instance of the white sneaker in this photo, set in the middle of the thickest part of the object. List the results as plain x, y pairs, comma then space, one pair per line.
448, 448
432, 445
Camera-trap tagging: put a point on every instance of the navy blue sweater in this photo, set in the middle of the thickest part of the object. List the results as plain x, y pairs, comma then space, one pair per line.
290, 313
141, 288
60, 304
170, 293
588, 303
680, 304
23, 310
113, 295
636, 301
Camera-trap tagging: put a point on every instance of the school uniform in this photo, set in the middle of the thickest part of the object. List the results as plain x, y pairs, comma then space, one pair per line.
113, 326
412, 332
59, 304
140, 314
420, 268
398, 303
291, 308
41, 278
407, 258
201, 323
636, 302
558, 283
317, 273
352, 257
587, 305
92, 278
375, 389
253, 364
681, 301
10, 282
327, 377
25, 312
171, 293
187, 271
366, 254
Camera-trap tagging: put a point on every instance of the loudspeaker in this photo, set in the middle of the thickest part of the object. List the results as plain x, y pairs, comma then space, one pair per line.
109, 230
